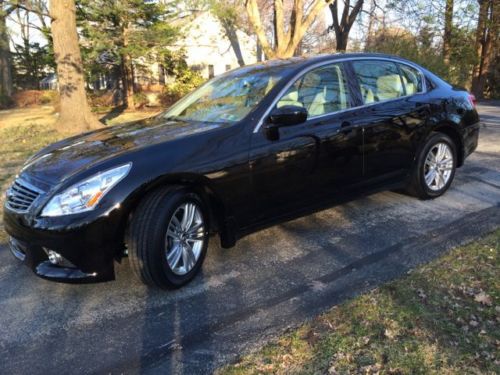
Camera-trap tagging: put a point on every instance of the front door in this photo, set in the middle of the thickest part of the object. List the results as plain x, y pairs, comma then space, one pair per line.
312, 159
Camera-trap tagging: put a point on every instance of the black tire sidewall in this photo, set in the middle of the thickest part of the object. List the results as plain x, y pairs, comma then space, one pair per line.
433, 140
161, 271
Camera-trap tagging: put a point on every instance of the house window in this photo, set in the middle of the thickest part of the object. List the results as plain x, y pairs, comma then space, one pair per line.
211, 72
228, 67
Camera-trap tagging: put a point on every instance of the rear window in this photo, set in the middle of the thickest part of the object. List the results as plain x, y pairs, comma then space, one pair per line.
412, 79
378, 80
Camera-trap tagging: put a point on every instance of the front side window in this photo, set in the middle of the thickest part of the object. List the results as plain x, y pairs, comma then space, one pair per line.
320, 91
412, 79
378, 80
227, 98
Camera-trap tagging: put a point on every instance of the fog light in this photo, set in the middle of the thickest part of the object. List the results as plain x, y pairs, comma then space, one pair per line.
57, 259
54, 257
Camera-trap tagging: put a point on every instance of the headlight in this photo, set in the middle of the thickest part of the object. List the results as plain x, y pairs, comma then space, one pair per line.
85, 195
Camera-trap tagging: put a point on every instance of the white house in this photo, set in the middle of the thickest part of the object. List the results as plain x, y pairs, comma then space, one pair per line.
209, 50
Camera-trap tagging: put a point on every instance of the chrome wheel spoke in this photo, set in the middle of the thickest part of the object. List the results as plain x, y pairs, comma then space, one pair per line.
439, 180
430, 159
188, 216
430, 176
174, 256
447, 160
441, 152
188, 257
184, 238
196, 236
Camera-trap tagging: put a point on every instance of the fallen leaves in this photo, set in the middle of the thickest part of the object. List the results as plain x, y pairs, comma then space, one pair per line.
421, 294
483, 298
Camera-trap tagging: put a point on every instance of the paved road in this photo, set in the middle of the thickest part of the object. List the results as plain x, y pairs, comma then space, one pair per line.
271, 280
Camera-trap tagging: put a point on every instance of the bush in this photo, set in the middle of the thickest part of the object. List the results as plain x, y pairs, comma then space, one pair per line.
140, 100
50, 97
186, 82
27, 98
6, 101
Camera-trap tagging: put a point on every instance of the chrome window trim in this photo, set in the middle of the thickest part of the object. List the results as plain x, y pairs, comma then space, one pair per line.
330, 62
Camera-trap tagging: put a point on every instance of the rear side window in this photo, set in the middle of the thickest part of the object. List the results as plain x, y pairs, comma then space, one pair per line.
378, 80
412, 79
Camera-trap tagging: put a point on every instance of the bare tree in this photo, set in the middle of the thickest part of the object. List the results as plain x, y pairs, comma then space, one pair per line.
487, 43
75, 114
448, 29
287, 34
228, 14
343, 26
5, 55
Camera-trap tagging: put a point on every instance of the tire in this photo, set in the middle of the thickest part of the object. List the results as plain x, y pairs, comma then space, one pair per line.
426, 166
160, 257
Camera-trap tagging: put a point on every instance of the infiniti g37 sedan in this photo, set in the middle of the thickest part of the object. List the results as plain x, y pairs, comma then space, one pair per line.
253, 147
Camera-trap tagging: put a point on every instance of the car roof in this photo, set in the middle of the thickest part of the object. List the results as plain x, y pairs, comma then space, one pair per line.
300, 62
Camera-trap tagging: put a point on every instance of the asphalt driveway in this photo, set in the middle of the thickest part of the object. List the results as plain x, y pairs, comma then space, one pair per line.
271, 280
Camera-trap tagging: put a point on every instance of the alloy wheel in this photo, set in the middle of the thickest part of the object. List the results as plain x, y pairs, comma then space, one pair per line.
184, 239
438, 166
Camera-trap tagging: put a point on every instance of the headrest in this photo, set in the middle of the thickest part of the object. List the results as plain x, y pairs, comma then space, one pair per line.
389, 87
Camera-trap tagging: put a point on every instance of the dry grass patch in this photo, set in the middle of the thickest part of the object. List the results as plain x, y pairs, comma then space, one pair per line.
441, 319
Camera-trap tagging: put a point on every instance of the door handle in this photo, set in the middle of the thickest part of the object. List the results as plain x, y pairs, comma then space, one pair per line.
345, 124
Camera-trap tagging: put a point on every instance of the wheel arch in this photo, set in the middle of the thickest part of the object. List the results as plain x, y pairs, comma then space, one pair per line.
218, 211
451, 131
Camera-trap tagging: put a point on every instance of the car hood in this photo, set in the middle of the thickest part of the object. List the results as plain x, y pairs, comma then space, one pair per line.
62, 159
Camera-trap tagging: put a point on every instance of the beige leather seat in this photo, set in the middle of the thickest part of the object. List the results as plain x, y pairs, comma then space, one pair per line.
317, 106
368, 96
389, 87
292, 98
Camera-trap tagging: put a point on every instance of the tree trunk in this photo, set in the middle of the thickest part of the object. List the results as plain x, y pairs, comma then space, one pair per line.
75, 114
480, 38
448, 28
232, 35
286, 42
259, 51
486, 44
5, 56
127, 72
371, 25
490, 48
341, 39
343, 26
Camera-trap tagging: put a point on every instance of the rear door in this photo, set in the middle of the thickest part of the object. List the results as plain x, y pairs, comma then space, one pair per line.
390, 116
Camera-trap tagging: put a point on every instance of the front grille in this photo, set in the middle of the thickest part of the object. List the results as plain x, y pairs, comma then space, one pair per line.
21, 195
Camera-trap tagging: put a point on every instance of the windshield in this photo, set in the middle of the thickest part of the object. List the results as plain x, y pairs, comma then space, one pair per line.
227, 98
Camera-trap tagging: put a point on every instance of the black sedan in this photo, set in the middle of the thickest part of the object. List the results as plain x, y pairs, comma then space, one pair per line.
253, 147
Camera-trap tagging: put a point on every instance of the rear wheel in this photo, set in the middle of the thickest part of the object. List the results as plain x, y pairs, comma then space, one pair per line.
435, 167
168, 237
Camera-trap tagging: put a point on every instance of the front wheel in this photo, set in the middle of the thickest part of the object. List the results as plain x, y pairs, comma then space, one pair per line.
435, 168
168, 237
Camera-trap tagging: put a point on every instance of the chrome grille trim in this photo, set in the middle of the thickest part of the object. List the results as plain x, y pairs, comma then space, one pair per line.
21, 195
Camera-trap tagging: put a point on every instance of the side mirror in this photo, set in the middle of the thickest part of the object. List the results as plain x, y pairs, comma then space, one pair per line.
287, 115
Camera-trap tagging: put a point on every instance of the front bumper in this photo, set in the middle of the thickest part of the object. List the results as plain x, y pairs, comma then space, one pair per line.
89, 247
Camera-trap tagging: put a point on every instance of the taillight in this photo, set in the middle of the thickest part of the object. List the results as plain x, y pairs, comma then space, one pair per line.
472, 100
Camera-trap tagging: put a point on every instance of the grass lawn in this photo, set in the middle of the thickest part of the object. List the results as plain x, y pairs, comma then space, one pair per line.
25, 131
443, 318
